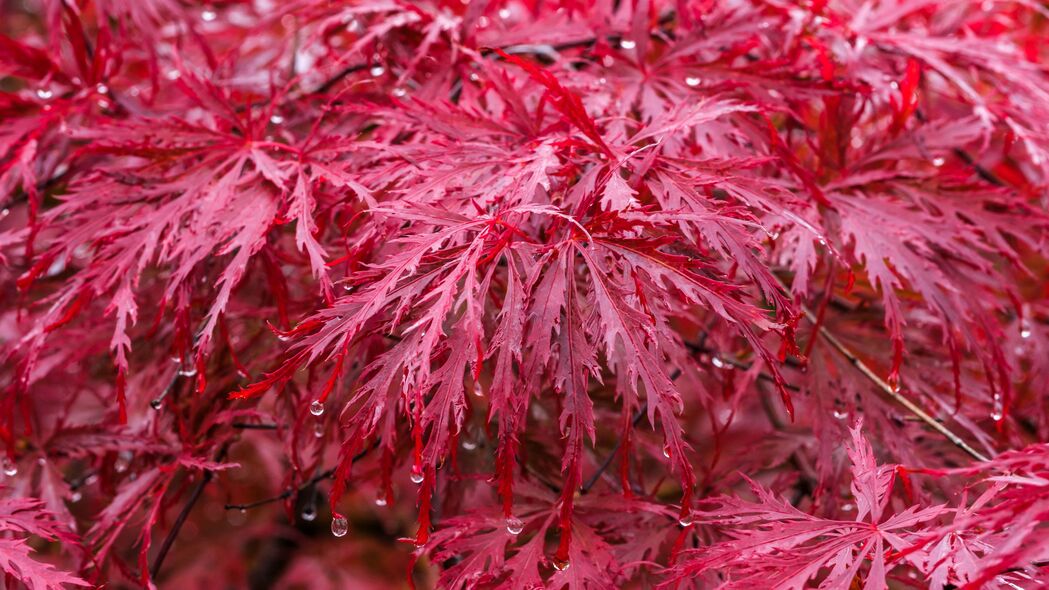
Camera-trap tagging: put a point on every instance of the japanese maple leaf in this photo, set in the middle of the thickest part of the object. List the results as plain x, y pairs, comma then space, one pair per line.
772, 544
27, 516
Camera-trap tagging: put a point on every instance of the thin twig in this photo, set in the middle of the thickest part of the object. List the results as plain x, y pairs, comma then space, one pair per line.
289, 492
885, 388
640, 413
198, 491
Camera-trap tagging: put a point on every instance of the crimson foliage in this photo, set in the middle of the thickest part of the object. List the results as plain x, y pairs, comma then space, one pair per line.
620, 293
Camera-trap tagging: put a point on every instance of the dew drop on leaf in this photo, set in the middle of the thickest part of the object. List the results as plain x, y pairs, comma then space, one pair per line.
997, 410
417, 475
685, 520
44, 93
340, 526
666, 451
316, 408
717, 362
692, 81
514, 526
627, 44
377, 71
276, 119
380, 500
208, 15
560, 565
9, 466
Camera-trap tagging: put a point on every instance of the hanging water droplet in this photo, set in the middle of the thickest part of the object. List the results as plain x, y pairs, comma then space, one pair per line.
997, 411
840, 415
340, 526
399, 92
627, 44
666, 451
560, 565
318, 430
692, 81
44, 93
895, 386
717, 362
474, 77
208, 15
316, 408
123, 461
309, 514
156, 403
173, 74
469, 445
76, 497
417, 475
9, 466
380, 500
276, 119
377, 71
685, 520
938, 162
1025, 328
514, 526
504, 13
101, 88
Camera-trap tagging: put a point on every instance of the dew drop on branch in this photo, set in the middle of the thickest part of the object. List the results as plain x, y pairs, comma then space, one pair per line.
997, 409
316, 408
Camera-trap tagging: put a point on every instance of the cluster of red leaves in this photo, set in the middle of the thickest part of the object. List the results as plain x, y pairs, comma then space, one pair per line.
542, 287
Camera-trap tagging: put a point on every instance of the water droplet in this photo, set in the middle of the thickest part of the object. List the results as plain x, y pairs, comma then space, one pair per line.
340, 526
717, 362
895, 386
44, 93
560, 565
399, 92
847, 507
997, 410
685, 520
938, 162
840, 415
208, 15
187, 370
377, 71
627, 44
276, 119
316, 408
666, 451
156, 403
318, 430
1025, 329
417, 475
173, 75
309, 514
123, 461
692, 81
380, 501
76, 497
504, 13
474, 77
514, 526
101, 88
10, 467
469, 445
